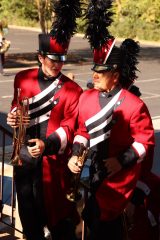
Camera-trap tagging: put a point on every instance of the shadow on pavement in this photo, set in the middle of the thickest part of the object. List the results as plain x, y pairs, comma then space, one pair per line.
156, 168
81, 56
20, 60
7, 233
8, 140
15, 60
150, 53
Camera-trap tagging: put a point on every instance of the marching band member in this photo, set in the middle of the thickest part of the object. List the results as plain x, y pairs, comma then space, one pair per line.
42, 180
115, 124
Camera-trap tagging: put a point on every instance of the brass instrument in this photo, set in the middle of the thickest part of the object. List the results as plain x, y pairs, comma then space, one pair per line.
20, 131
74, 194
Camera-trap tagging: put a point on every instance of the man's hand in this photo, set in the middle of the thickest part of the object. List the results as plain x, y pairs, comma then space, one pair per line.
130, 215
37, 149
13, 119
74, 165
113, 166
130, 211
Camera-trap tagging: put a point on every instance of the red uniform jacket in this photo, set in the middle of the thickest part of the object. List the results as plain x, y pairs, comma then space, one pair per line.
53, 112
132, 129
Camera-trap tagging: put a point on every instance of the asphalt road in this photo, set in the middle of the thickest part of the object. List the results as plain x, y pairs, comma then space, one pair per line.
25, 42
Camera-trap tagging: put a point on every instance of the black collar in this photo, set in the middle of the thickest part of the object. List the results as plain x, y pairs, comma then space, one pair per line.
44, 77
111, 93
44, 81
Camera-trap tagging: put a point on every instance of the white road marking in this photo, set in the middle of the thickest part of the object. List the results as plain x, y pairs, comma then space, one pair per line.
153, 96
148, 80
5, 81
156, 117
10, 96
156, 122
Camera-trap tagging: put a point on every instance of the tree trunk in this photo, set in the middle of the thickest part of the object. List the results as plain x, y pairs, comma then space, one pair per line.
41, 5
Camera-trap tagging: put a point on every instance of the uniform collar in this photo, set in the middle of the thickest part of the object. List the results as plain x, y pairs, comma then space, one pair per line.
43, 76
111, 93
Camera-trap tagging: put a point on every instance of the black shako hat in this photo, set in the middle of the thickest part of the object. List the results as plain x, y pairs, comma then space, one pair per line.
106, 55
56, 43
49, 46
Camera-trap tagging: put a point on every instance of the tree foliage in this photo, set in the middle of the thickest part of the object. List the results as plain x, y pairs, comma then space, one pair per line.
137, 19
22, 12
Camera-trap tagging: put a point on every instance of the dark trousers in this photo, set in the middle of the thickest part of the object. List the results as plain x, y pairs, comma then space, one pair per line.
30, 201
64, 230
107, 230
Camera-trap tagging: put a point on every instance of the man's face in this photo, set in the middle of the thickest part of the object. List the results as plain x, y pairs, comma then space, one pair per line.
105, 81
50, 67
